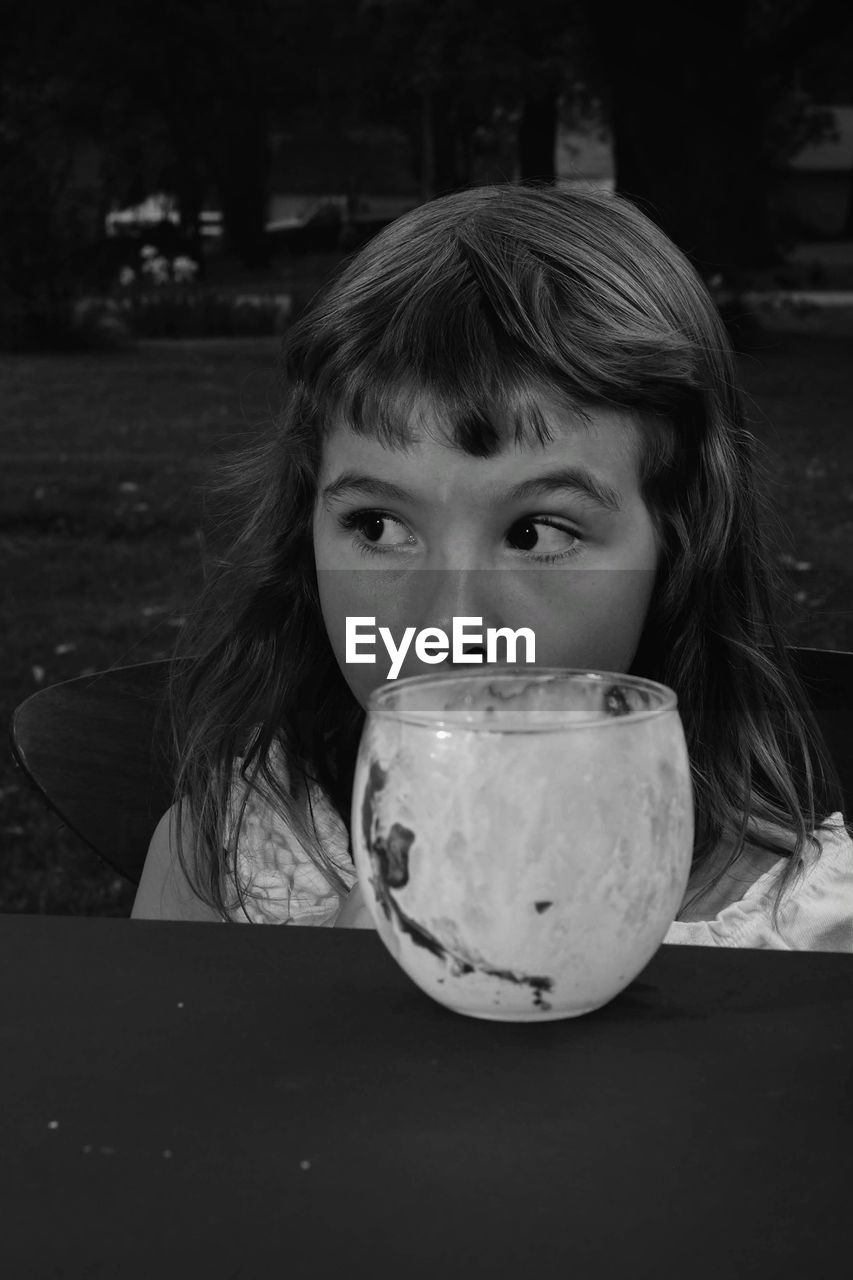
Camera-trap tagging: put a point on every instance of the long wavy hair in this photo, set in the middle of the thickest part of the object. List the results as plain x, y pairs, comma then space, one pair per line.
478, 302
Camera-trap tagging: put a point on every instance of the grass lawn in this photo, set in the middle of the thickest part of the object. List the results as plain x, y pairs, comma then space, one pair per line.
102, 459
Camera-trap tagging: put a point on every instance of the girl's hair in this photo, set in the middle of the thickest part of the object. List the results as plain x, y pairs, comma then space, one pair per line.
478, 303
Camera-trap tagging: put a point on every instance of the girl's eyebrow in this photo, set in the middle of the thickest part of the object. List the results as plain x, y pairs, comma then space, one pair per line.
575, 479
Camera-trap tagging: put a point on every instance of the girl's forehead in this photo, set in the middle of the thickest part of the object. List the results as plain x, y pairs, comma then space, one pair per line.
605, 443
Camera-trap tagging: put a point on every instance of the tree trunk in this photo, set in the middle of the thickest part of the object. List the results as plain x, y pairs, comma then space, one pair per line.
688, 121
427, 147
847, 229
537, 138
450, 171
706, 186
244, 186
190, 188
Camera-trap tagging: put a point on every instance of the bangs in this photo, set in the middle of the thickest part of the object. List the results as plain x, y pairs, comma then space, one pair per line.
481, 415
466, 328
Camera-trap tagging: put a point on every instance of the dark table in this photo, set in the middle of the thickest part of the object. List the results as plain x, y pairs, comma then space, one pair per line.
212, 1101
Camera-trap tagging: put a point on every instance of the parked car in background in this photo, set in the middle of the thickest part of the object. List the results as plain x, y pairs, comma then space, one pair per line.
296, 224
330, 223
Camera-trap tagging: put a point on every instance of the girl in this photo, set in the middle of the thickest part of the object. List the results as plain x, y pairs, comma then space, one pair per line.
520, 380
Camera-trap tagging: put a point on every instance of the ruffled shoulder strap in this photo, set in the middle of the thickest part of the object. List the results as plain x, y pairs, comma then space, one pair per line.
281, 882
815, 914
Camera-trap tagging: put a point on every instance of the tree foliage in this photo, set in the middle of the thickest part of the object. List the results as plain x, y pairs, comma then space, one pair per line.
463, 75
109, 102
164, 95
704, 107
49, 196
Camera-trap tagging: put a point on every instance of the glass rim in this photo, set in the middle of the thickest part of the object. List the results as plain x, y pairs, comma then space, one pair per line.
379, 696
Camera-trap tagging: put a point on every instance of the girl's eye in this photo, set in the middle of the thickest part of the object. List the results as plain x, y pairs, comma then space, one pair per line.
544, 540
548, 540
377, 531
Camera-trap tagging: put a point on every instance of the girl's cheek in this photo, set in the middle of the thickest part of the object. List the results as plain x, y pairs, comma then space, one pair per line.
589, 618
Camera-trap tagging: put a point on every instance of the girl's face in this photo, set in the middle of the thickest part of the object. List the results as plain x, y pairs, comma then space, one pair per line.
553, 538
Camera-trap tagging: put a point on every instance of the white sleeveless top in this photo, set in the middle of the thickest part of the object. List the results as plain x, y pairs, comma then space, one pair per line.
280, 882
283, 885
815, 914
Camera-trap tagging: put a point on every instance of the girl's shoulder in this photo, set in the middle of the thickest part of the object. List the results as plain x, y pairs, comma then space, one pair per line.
815, 912
282, 880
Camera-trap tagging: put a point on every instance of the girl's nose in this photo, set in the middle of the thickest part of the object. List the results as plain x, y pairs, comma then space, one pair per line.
449, 594
472, 599
456, 593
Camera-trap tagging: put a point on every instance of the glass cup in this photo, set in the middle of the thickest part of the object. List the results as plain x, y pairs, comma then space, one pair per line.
522, 836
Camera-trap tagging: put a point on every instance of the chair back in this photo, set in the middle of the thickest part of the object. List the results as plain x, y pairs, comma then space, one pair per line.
827, 675
97, 748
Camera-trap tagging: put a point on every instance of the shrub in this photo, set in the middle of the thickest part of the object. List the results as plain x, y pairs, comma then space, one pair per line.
159, 298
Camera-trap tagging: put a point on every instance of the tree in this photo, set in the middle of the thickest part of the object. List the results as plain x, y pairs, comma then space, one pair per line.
827, 76
51, 205
226, 79
209, 77
553, 60
182, 97
465, 76
699, 101
700, 98
429, 69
